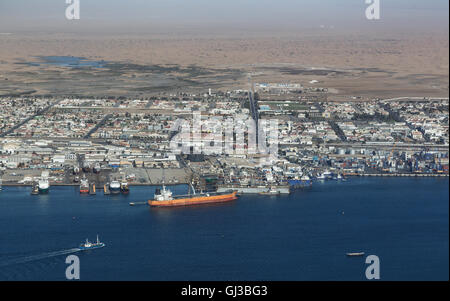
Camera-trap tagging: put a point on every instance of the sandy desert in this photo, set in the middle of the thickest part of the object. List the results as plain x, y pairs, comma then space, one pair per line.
381, 66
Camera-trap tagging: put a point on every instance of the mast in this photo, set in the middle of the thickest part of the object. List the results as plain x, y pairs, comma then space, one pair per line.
163, 179
189, 188
192, 187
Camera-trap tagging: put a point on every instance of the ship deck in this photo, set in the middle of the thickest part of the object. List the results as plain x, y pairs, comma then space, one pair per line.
204, 194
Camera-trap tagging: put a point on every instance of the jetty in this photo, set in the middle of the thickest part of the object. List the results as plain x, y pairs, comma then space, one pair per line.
106, 189
92, 189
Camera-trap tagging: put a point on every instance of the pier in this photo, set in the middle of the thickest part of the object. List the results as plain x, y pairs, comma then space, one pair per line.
92, 189
396, 175
106, 189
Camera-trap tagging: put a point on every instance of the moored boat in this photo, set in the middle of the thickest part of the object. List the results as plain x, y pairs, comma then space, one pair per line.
114, 187
271, 191
327, 175
124, 187
43, 185
300, 182
305, 181
84, 185
35, 189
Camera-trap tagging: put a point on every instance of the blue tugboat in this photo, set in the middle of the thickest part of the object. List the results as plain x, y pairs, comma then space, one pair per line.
91, 245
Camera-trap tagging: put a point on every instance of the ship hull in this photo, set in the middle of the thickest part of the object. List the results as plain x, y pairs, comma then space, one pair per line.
43, 190
92, 247
114, 190
114, 187
195, 200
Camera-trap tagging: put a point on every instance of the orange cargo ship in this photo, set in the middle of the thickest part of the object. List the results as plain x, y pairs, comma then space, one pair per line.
164, 198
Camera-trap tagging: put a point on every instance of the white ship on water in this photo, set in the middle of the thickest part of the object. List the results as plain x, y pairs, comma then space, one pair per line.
114, 187
43, 185
91, 245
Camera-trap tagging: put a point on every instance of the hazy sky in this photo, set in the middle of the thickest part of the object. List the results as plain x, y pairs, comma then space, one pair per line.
210, 15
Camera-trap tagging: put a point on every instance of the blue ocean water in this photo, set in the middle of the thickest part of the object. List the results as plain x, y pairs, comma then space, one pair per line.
303, 236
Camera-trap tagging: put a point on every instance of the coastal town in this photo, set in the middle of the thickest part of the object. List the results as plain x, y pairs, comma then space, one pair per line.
72, 141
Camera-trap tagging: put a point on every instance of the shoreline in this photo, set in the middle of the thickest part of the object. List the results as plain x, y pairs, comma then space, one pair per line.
399, 175
183, 183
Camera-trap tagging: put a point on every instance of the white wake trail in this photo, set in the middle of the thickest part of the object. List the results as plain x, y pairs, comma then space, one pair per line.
38, 257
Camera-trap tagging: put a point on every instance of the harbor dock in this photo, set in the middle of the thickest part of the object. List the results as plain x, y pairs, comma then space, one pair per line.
281, 189
92, 189
106, 189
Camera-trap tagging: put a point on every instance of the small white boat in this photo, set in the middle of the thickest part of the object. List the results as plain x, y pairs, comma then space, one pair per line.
355, 254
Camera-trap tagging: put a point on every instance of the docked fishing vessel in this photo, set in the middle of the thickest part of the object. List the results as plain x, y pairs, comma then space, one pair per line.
271, 191
84, 185
164, 198
43, 185
300, 182
327, 175
91, 245
114, 187
97, 168
35, 189
305, 181
124, 187
321, 177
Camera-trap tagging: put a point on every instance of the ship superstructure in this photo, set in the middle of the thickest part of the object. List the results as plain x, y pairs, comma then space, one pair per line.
91, 245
